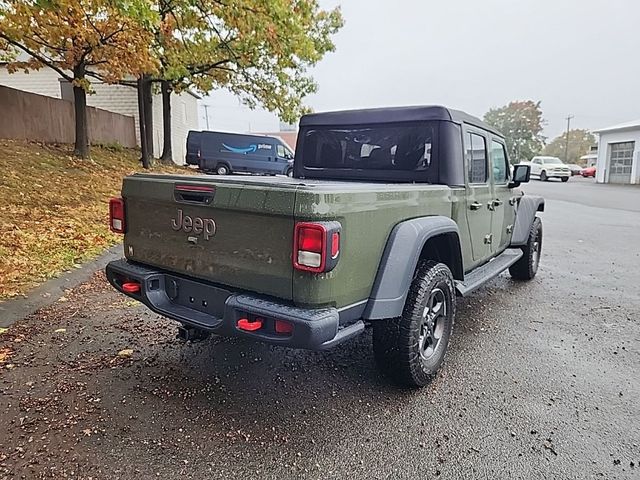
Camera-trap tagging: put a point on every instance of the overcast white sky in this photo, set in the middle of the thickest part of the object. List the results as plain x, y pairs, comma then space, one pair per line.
579, 57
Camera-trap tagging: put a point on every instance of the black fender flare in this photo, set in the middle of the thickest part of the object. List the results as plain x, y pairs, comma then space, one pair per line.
528, 205
399, 261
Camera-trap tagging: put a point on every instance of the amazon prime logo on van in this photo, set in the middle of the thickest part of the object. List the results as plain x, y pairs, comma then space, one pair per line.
195, 225
249, 149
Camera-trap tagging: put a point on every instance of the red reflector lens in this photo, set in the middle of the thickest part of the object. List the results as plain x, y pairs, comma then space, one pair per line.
335, 244
131, 287
116, 215
248, 325
283, 327
310, 239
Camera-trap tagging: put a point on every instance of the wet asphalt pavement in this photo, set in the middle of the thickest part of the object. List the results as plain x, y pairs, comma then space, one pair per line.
541, 381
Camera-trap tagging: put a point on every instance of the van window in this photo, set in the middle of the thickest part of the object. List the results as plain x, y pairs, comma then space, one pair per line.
280, 151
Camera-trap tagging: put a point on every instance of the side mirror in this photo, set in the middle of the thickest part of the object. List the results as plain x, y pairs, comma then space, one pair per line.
521, 174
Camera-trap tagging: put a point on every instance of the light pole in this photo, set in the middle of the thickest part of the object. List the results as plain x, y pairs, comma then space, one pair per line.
566, 145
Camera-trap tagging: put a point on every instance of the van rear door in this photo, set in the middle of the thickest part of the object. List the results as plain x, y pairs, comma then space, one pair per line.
193, 147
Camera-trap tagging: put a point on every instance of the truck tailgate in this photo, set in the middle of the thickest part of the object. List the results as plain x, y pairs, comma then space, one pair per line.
228, 232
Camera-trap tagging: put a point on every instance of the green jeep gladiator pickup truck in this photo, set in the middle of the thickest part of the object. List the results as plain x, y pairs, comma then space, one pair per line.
390, 215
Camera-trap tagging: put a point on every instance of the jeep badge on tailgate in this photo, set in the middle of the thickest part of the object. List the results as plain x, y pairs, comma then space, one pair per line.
196, 225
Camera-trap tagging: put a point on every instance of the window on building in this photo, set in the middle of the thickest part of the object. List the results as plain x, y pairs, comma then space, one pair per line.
66, 90
477, 158
500, 163
184, 112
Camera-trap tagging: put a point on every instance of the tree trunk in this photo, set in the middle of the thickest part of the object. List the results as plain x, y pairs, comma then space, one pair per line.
148, 113
81, 148
167, 154
141, 124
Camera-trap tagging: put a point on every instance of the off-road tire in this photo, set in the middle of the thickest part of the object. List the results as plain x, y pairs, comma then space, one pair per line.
565, 179
222, 169
543, 176
397, 345
527, 267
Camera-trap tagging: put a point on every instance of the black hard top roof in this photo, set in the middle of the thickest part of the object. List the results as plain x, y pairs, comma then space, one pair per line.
392, 115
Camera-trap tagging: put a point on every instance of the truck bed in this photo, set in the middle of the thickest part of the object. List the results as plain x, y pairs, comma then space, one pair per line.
254, 218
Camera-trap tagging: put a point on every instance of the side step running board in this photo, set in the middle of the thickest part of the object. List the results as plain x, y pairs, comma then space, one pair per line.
489, 270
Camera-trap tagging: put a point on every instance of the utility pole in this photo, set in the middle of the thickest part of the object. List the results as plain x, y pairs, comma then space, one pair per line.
206, 114
566, 145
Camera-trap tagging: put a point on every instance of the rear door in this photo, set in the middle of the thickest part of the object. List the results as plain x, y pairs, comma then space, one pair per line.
193, 147
479, 193
226, 232
503, 214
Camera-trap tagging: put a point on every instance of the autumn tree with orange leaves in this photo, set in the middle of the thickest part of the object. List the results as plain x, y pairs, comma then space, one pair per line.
260, 50
105, 40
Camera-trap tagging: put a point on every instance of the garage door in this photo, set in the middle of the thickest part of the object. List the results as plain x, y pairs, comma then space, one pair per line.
620, 162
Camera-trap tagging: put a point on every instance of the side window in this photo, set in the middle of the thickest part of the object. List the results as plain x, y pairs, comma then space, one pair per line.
477, 158
500, 165
280, 151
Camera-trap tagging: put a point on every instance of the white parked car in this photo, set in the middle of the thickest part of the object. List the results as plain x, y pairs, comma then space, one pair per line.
545, 168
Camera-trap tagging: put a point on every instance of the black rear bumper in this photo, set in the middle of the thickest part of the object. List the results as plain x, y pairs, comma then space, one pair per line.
217, 310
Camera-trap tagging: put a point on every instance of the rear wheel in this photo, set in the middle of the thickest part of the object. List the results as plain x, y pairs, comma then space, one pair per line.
222, 170
527, 267
543, 176
410, 349
290, 172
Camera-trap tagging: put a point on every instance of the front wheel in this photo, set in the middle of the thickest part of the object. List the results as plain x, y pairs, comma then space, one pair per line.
565, 179
543, 176
290, 173
527, 267
411, 348
222, 170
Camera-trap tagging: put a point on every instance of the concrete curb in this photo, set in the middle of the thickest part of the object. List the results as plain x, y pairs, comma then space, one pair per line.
50, 291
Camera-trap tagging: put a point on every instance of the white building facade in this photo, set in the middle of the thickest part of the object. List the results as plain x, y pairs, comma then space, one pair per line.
118, 99
619, 154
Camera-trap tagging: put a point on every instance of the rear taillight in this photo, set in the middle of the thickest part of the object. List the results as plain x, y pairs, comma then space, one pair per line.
116, 215
316, 246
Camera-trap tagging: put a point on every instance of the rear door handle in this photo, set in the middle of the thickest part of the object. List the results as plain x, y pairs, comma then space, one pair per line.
497, 203
475, 206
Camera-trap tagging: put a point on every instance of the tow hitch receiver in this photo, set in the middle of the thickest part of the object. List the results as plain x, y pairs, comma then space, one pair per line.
190, 334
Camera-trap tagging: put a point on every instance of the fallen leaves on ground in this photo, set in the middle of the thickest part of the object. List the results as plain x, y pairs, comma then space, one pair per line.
55, 208
5, 353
